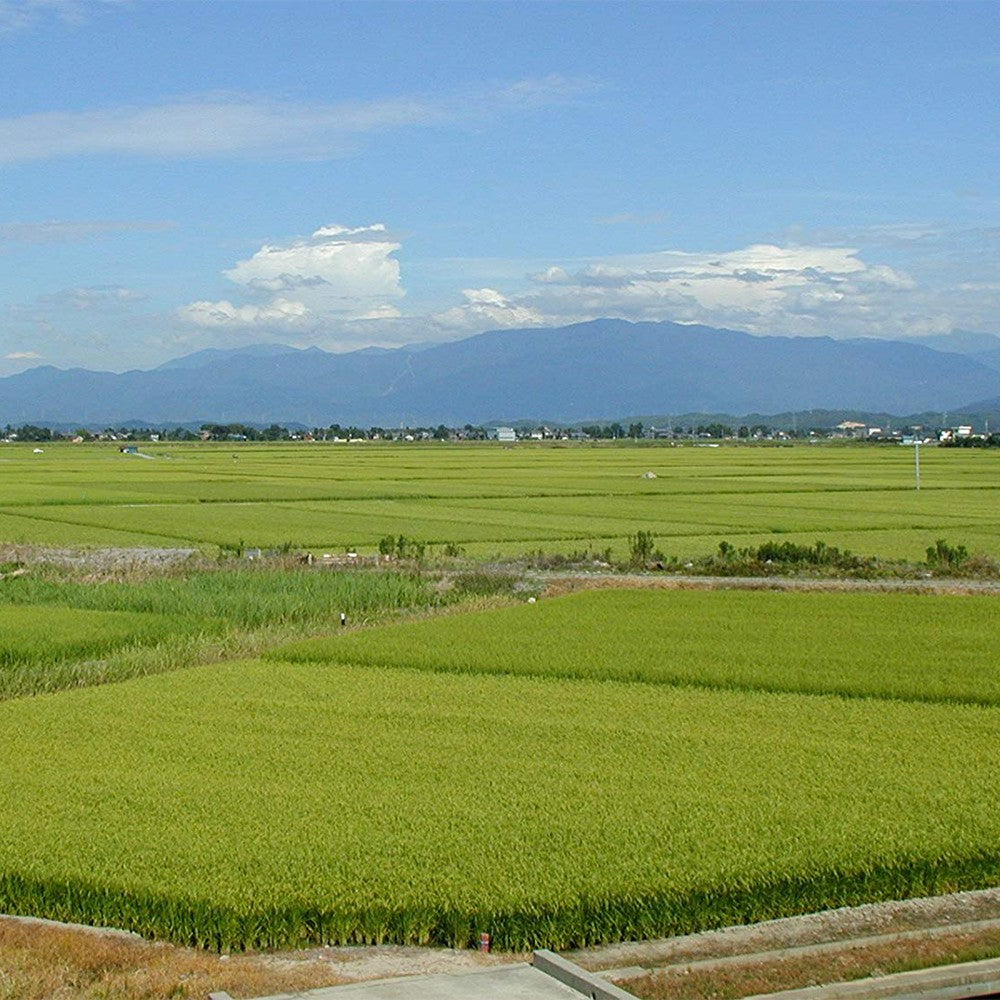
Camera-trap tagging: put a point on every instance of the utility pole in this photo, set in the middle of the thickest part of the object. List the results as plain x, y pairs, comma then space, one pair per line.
916, 461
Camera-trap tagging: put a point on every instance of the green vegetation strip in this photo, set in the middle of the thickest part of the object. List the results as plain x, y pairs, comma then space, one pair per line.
59, 632
269, 804
911, 646
248, 597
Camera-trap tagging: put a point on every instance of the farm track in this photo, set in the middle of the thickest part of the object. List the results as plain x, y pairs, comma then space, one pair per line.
561, 582
848, 926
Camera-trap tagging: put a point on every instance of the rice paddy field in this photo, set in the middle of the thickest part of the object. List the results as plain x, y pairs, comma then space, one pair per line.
31, 637
902, 646
356, 799
490, 500
605, 765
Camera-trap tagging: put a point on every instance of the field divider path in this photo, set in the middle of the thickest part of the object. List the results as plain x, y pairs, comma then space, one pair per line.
823, 932
800, 951
561, 582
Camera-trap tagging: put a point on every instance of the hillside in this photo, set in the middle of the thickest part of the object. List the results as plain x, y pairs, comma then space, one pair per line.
593, 370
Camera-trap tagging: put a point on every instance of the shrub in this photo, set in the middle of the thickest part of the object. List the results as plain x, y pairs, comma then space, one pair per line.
941, 555
640, 547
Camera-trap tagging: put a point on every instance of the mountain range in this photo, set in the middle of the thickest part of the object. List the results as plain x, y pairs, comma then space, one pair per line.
601, 369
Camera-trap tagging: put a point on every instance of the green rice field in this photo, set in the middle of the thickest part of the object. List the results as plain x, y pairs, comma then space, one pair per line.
271, 804
494, 500
600, 766
32, 636
918, 647
356, 799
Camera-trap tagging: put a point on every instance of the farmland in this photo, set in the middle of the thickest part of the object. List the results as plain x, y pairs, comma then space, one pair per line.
907, 646
591, 767
61, 631
32, 638
490, 500
265, 804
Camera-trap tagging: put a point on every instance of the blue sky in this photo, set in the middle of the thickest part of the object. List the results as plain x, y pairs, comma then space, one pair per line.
177, 175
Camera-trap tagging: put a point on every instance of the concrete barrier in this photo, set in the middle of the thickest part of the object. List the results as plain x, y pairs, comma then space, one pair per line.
571, 975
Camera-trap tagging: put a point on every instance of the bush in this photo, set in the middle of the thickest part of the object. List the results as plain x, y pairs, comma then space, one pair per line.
640, 548
941, 555
402, 547
776, 556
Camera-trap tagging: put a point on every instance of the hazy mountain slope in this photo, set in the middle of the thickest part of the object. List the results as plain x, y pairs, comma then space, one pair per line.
958, 342
600, 369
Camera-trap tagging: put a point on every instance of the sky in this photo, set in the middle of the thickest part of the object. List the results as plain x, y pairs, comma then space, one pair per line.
182, 175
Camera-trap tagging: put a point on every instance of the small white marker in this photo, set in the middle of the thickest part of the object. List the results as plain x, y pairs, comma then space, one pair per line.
343, 618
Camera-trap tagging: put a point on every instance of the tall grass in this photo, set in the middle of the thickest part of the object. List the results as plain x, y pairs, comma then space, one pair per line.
57, 631
247, 597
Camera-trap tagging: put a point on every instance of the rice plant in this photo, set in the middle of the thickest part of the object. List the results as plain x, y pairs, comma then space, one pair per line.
266, 804
912, 646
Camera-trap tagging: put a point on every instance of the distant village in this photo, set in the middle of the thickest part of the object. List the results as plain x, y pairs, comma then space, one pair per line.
962, 435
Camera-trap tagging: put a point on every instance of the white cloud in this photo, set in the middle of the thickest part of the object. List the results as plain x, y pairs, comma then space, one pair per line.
22, 356
342, 287
763, 288
887, 234
279, 312
94, 298
240, 124
486, 308
338, 274
19, 15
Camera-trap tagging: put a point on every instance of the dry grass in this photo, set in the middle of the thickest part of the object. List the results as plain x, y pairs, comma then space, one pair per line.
858, 961
45, 962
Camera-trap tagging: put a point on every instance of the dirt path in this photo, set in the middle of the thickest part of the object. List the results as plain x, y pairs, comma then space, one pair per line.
562, 583
846, 925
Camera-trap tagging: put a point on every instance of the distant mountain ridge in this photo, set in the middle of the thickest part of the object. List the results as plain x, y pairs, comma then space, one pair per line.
595, 370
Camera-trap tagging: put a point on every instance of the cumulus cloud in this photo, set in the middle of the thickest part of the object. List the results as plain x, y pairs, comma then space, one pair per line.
225, 125
763, 288
486, 308
337, 274
279, 312
341, 287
